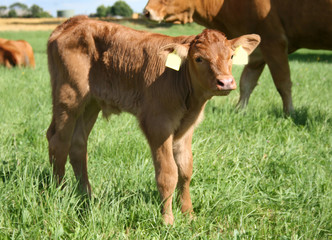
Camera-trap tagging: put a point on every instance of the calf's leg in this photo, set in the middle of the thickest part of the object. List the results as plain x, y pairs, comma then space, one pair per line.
59, 137
184, 161
166, 172
166, 176
78, 150
68, 104
50, 133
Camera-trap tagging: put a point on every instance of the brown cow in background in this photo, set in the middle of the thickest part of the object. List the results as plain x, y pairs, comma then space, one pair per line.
284, 27
16, 53
98, 66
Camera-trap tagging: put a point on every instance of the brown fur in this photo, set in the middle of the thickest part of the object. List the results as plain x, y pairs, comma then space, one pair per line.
284, 27
97, 66
16, 53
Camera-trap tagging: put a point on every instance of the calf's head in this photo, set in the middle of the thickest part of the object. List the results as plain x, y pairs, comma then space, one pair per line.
209, 60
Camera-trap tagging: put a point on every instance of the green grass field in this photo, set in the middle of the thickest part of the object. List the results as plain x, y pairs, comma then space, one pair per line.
257, 175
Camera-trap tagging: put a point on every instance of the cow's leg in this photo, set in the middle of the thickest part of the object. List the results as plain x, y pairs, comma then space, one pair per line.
166, 172
78, 150
249, 77
276, 55
282, 81
184, 161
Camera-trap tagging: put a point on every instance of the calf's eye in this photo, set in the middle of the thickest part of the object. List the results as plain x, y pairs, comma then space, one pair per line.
198, 59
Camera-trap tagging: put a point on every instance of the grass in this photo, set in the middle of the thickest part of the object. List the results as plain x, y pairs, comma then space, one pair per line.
257, 175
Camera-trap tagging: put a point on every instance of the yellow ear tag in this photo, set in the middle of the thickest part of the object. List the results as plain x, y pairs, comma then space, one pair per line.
173, 61
240, 56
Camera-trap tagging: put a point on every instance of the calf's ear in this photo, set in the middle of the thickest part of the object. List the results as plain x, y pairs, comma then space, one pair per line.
248, 42
179, 49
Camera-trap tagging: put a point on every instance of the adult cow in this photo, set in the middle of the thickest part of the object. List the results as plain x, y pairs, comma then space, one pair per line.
16, 53
98, 66
284, 27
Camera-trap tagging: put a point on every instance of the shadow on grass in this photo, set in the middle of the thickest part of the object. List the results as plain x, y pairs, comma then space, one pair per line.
141, 21
129, 201
6, 171
303, 117
10, 172
311, 57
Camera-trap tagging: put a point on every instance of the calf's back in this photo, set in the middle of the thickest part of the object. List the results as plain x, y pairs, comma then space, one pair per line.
118, 66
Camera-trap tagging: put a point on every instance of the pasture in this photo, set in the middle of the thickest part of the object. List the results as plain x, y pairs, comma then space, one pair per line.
257, 175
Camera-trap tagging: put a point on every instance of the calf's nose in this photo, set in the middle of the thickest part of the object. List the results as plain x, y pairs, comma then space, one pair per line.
226, 83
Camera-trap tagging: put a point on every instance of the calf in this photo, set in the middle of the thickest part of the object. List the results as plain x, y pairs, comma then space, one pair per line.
16, 53
98, 66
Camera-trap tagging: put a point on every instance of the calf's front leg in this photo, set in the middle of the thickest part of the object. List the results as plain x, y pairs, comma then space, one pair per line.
184, 161
166, 176
166, 172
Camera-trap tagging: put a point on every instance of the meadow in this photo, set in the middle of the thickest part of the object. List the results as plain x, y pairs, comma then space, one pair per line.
257, 174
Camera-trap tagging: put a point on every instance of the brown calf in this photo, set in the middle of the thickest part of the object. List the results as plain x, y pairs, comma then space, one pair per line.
98, 66
16, 53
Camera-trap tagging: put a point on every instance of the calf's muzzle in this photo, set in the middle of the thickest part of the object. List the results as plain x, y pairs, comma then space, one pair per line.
226, 84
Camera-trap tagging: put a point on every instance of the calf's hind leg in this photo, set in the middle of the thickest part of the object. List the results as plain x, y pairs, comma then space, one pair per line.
50, 133
78, 150
68, 103
59, 137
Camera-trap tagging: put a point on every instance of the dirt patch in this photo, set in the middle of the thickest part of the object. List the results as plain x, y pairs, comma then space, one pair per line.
29, 24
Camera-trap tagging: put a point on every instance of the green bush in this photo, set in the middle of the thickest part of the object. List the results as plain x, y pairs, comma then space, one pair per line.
120, 8
38, 12
12, 13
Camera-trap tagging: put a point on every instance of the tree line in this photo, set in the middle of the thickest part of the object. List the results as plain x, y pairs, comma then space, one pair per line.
119, 8
22, 10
